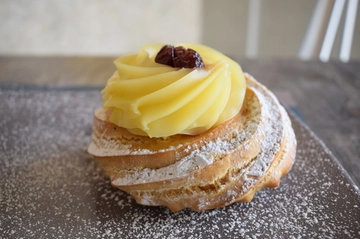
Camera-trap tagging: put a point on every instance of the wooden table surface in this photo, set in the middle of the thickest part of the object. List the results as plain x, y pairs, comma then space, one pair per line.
326, 96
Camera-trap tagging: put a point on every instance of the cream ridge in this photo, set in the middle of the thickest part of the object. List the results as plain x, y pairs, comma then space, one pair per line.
148, 98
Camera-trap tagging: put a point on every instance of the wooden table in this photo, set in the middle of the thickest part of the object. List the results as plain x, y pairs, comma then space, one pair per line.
326, 96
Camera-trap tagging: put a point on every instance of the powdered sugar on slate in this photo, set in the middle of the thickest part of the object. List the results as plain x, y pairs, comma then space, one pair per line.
51, 188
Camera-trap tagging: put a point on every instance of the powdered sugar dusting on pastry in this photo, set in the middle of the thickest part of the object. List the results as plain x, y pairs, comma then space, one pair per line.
270, 112
198, 157
201, 179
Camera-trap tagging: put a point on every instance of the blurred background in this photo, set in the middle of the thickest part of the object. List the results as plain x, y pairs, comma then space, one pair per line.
239, 28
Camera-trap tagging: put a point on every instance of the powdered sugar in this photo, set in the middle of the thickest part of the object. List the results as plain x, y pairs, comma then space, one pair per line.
273, 127
51, 188
198, 157
109, 147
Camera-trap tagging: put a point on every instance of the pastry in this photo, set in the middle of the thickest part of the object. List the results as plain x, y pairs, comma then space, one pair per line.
188, 129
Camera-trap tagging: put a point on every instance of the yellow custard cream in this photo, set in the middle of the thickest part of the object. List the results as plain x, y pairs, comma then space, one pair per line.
148, 98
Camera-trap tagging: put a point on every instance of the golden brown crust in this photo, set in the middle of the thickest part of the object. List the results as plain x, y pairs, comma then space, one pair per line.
223, 165
144, 152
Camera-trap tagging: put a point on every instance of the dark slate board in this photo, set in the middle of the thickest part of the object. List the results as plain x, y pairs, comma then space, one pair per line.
51, 188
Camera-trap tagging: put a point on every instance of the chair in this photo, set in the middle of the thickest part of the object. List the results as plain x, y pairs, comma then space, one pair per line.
314, 35
318, 21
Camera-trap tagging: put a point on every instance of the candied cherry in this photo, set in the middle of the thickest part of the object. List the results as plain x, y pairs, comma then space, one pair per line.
179, 57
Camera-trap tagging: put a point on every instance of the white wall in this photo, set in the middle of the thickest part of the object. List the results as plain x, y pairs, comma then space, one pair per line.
95, 27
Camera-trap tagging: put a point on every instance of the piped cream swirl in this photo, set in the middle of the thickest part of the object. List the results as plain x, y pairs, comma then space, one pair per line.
157, 100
